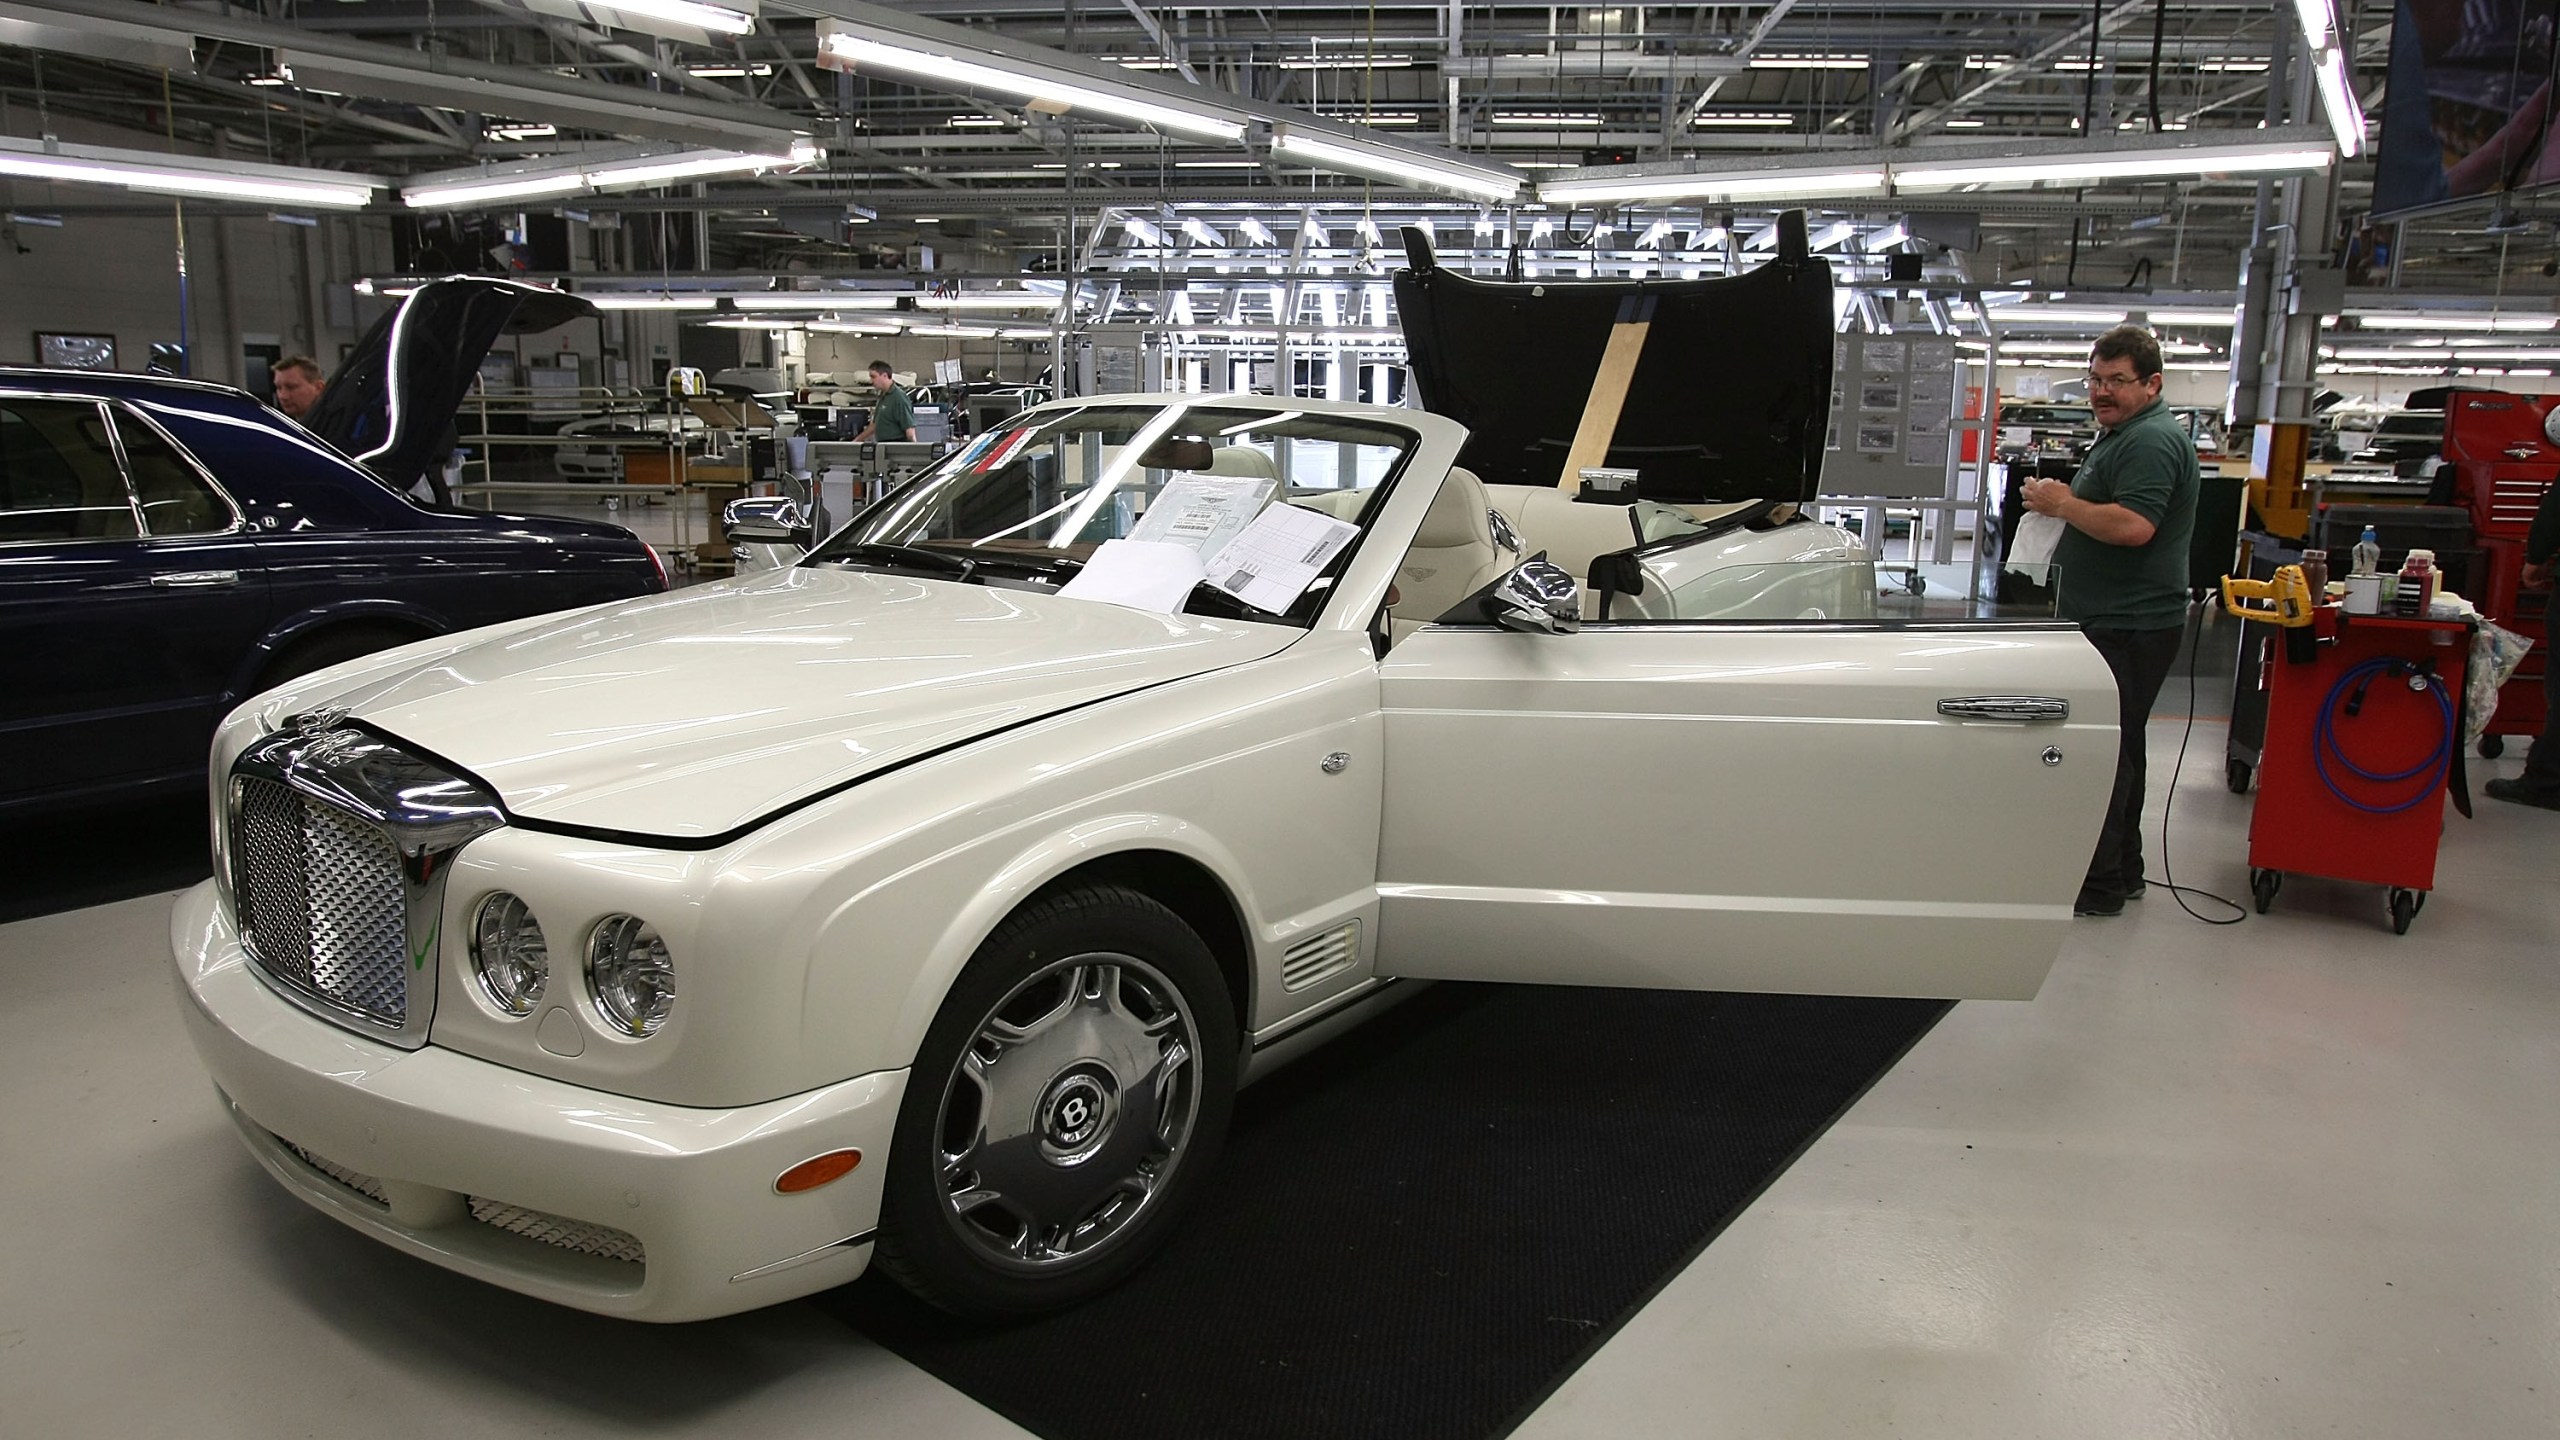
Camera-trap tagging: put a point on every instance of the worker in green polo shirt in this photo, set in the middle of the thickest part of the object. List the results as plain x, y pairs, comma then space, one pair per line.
2121, 571
894, 418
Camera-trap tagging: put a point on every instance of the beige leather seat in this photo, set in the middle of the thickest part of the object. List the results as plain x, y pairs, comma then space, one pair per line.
1453, 556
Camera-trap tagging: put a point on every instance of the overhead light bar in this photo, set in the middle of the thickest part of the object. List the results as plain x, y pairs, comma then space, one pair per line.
842, 47
2451, 320
2338, 99
652, 302
1387, 162
1808, 62
718, 19
1741, 120
457, 188
161, 174
1596, 187
2064, 168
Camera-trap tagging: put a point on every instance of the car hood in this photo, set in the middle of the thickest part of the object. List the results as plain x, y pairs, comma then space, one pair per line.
1729, 400
689, 716
388, 406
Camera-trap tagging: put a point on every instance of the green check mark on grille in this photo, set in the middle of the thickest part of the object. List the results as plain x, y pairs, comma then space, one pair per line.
418, 957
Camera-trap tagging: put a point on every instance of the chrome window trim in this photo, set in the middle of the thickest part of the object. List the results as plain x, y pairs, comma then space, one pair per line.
1795, 627
427, 812
239, 517
133, 503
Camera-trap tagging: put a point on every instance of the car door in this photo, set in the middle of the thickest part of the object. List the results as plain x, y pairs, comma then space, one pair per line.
129, 595
1830, 808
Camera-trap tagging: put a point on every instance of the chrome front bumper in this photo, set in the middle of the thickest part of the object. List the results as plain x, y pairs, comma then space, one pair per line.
527, 1182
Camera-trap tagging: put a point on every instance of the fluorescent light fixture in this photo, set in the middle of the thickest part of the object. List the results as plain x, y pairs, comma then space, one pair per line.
1346, 62
1389, 162
2055, 315
1809, 62
1741, 120
2022, 171
2232, 65
1217, 164
758, 71
1548, 120
2080, 67
2452, 320
652, 302
1375, 117
979, 122
816, 300
2338, 99
517, 131
2414, 352
453, 189
2198, 315
2317, 22
846, 48
718, 19
161, 174
1726, 185
955, 332
1989, 62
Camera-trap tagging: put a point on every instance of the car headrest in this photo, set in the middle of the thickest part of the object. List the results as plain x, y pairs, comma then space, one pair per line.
1243, 461
1457, 515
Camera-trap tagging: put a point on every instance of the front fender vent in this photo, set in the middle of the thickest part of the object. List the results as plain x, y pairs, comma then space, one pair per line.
1320, 956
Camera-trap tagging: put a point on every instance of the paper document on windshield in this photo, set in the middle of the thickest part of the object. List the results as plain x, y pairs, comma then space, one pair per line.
1202, 511
1278, 556
1153, 575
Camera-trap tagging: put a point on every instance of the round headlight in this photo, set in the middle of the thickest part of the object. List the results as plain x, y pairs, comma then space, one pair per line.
509, 954
633, 976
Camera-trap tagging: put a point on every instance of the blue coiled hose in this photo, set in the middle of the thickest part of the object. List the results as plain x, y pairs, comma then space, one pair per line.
2324, 741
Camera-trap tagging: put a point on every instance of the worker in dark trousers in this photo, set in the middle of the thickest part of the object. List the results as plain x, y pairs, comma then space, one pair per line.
2540, 782
2121, 571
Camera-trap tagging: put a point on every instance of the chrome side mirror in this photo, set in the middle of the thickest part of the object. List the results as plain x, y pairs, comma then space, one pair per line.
765, 520
1537, 596
1505, 536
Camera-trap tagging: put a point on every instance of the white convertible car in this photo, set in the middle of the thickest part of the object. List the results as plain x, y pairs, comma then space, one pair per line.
926, 901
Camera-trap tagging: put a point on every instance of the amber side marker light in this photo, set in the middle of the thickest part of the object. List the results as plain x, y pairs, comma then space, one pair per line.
824, 1169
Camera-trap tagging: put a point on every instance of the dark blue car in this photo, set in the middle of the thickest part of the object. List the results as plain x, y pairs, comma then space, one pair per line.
169, 548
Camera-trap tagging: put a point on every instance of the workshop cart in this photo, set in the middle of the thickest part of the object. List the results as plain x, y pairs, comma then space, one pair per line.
2362, 747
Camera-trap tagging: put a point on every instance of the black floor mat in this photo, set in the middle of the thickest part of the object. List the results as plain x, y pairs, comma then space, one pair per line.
1422, 1229
73, 859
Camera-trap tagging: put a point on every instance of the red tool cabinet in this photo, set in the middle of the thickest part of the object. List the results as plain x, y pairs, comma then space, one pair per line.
2503, 458
2316, 814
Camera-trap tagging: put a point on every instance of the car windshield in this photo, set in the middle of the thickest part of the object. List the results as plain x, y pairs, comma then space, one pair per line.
1231, 480
2414, 425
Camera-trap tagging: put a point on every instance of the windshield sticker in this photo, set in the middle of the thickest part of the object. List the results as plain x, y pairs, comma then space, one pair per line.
1278, 556
1203, 511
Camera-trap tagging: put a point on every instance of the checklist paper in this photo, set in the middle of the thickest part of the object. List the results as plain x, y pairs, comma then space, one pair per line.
1273, 560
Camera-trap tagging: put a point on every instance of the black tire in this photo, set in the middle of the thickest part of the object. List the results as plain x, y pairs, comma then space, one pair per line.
2236, 774
324, 648
2263, 885
1919, 585
1107, 1135
2405, 905
2492, 746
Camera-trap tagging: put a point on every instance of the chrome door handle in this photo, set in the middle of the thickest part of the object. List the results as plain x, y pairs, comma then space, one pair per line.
195, 579
2025, 709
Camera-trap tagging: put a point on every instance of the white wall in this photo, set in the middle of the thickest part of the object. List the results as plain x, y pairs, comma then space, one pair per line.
117, 275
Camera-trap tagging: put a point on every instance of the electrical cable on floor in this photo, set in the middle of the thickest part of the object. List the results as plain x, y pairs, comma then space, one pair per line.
2168, 806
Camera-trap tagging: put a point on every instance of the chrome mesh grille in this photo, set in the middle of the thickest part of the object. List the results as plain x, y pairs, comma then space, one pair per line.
321, 899
356, 1180
602, 1241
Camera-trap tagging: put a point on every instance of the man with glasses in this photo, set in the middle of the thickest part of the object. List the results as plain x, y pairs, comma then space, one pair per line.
2121, 571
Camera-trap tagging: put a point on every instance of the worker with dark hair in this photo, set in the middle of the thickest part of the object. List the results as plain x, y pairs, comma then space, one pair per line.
894, 418
2540, 783
2121, 571
298, 382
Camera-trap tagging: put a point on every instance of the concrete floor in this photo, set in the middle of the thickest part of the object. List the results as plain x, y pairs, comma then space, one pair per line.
2291, 1177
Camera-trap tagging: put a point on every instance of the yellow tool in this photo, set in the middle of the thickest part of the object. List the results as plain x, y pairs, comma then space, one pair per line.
2288, 597
2288, 605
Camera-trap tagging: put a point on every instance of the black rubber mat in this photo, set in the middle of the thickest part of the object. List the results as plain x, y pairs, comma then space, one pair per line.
1419, 1231
70, 860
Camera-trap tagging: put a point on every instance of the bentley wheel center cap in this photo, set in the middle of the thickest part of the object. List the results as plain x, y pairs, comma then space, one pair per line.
1076, 1115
